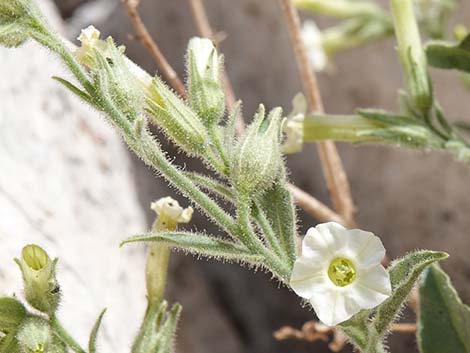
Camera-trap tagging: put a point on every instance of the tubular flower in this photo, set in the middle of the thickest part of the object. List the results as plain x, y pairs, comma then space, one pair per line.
339, 272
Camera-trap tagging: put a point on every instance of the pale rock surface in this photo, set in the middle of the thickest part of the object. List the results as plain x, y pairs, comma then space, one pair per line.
66, 184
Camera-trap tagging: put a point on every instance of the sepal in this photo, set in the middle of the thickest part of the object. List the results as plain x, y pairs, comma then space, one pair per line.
256, 161
205, 90
41, 288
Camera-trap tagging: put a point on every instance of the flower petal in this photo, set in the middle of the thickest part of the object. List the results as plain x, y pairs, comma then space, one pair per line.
333, 305
306, 276
371, 287
325, 240
364, 247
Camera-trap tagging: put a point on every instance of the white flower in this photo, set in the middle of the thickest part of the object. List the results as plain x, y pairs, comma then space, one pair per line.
294, 125
312, 38
169, 208
205, 56
340, 273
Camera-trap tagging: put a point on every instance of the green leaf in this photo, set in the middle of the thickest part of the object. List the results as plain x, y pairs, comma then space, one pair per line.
388, 118
229, 130
12, 313
278, 207
168, 330
157, 332
212, 185
199, 244
444, 321
9, 343
74, 89
403, 274
445, 55
94, 332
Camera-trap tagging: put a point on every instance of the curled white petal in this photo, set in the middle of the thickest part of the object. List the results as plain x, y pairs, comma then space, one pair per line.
205, 55
171, 209
340, 273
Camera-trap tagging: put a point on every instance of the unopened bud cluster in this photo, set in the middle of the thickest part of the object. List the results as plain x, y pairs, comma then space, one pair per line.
256, 160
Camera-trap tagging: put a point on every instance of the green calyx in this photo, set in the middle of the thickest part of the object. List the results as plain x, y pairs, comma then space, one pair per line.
40, 285
256, 161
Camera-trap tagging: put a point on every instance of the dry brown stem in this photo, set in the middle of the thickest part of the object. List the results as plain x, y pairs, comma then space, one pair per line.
144, 36
335, 176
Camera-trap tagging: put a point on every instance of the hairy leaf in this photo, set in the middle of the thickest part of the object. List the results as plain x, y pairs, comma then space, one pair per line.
212, 185
199, 244
278, 207
403, 274
74, 89
94, 332
444, 321
12, 313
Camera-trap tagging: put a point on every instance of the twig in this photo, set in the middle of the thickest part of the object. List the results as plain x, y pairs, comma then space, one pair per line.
144, 36
205, 30
312, 331
311, 205
314, 207
404, 327
336, 179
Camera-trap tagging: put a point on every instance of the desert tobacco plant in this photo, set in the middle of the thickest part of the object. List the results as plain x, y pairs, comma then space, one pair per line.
338, 271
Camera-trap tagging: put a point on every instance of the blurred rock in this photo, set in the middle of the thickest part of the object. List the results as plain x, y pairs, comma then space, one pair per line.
66, 184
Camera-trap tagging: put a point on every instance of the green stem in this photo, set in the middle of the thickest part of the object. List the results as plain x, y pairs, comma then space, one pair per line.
220, 149
412, 56
260, 217
147, 149
338, 127
65, 336
255, 245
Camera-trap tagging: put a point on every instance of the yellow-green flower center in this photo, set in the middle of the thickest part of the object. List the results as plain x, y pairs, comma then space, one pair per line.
341, 272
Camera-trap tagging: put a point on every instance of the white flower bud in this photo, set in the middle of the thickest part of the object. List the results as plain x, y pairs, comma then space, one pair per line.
204, 87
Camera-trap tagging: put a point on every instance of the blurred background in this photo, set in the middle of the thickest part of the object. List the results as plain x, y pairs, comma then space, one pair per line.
410, 199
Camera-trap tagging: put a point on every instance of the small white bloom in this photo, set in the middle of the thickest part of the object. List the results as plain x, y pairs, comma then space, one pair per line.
340, 273
312, 37
294, 125
169, 208
205, 56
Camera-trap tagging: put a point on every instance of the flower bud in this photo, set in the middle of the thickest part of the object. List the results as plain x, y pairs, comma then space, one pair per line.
127, 83
111, 72
41, 289
169, 214
256, 160
293, 127
204, 86
35, 336
178, 120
